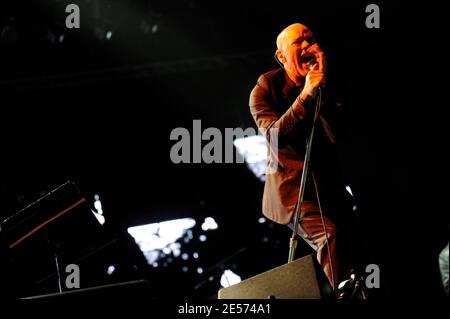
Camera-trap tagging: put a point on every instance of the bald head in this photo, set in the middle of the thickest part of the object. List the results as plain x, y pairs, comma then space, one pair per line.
292, 52
290, 32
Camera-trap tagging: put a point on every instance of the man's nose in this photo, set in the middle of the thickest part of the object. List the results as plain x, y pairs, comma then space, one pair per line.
305, 45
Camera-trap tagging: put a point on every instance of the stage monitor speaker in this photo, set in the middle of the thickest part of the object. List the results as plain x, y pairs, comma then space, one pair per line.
57, 229
301, 279
138, 290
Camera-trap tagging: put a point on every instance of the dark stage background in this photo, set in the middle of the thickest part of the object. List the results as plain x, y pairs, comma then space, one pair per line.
99, 112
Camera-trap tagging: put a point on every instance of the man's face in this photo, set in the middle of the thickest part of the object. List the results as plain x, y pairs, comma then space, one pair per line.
294, 46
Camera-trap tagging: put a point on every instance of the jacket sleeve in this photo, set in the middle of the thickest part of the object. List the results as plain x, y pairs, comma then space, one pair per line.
263, 111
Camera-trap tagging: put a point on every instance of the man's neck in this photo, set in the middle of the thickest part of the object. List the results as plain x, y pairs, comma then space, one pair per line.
295, 81
298, 81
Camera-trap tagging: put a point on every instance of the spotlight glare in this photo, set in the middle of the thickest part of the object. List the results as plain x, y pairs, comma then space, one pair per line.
209, 223
254, 151
229, 278
100, 218
176, 252
155, 237
97, 205
349, 190
111, 269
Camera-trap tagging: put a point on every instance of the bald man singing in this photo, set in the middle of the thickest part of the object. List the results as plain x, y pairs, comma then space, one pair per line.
282, 104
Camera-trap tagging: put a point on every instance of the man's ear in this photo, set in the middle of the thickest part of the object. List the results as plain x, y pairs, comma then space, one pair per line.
280, 56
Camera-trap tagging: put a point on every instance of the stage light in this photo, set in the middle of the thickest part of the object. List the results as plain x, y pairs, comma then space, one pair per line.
98, 204
349, 189
100, 218
149, 24
195, 255
185, 256
98, 213
102, 33
202, 237
229, 278
111, 269
200, 270
175, 247
261, 220
152, 239
254, 151
209, 223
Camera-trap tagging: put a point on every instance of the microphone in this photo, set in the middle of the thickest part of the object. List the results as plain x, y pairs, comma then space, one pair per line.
318, 57
310, 65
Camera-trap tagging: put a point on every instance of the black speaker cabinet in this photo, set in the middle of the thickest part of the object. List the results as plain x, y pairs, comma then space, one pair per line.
59, 226
138, 290
301, 279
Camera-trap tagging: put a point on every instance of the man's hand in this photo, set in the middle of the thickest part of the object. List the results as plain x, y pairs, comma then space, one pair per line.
319, 55
314, 79
316, 76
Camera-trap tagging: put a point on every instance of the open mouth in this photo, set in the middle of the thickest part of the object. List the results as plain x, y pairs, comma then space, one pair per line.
307, 59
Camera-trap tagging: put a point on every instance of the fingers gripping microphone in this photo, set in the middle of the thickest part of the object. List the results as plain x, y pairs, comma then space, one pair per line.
319, 60
319, 56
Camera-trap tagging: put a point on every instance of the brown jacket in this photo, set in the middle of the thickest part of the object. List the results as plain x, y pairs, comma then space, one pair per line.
271, 105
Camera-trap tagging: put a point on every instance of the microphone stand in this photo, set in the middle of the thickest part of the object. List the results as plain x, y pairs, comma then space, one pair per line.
297, 213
